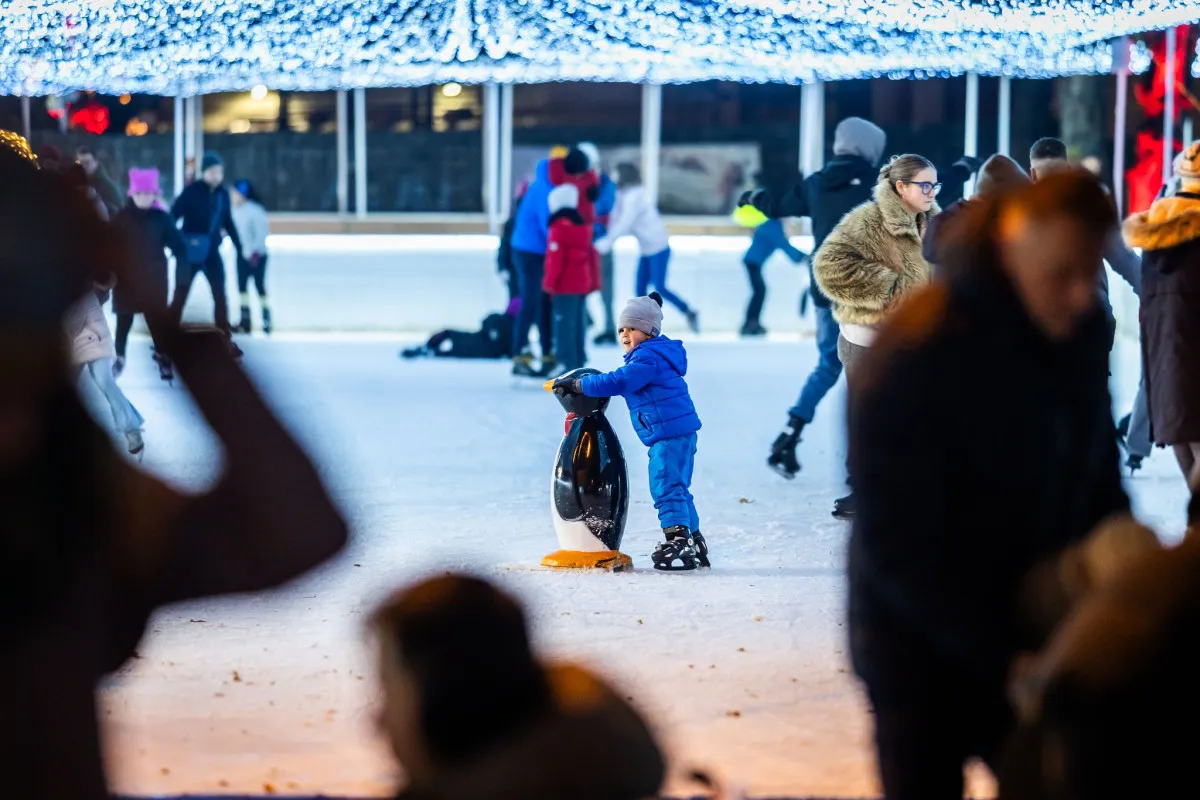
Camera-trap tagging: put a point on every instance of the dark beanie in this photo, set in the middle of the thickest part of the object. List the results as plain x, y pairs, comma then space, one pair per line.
211, 159
576, 162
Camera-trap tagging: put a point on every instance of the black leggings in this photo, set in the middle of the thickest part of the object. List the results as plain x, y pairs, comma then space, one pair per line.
124, 326
247, 272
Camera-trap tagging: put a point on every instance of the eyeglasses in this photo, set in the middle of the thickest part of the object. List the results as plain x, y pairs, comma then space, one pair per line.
928, 189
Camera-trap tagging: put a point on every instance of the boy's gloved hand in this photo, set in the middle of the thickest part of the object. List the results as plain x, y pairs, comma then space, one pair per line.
566, 385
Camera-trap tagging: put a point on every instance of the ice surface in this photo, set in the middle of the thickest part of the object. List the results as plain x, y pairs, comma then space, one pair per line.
445, 465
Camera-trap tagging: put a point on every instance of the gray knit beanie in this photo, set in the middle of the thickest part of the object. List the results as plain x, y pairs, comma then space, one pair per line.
643, 314
211, 159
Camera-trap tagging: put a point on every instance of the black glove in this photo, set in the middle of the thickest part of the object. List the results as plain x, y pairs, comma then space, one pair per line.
747, 199
565, 385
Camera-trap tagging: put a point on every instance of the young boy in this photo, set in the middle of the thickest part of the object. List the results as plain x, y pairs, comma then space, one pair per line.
665, 420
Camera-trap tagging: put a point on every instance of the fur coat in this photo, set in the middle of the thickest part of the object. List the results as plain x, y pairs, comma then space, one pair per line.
872, 258
1169, 235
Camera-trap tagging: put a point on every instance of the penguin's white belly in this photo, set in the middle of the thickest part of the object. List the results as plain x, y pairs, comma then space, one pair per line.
574, 534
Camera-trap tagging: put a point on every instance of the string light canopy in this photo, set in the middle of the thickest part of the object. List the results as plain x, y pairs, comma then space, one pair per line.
199, 46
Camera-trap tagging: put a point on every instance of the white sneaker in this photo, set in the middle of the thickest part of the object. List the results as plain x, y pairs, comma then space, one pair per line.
137, 446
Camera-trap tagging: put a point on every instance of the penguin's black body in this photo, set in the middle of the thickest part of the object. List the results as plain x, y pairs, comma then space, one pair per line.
590, 485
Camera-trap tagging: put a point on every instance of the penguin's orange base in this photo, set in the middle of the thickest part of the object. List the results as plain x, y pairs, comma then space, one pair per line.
608, 560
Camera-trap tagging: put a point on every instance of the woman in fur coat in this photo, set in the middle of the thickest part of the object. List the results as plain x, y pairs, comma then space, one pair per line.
873, 258
1169, 235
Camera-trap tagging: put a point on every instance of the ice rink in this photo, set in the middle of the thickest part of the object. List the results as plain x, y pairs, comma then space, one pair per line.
444, 465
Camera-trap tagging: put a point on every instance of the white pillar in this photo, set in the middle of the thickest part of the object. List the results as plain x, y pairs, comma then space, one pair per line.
506, 150
1169, 109
179, 144
491, 155
651, 137
812, 127
360, 153
198, 125
1121, 67
189, 135
1188, 133
1004, 124
26, 120
343, 159
971, 138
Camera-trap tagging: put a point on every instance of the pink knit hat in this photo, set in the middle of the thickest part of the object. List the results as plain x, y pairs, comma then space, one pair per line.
143, 180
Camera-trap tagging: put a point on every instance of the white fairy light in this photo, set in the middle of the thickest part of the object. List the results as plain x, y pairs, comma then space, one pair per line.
193, 46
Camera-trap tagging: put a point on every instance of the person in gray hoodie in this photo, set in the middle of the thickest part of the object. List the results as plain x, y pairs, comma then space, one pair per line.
825, 197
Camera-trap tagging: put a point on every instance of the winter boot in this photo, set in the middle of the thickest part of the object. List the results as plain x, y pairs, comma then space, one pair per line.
844, 507
135, 444
523, 365
266, 315
678, 553
1133, 463
783, 452
244, 325
118, 366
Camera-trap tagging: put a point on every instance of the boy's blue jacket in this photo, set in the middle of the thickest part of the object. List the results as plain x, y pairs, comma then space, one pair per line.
533, 217
654, 389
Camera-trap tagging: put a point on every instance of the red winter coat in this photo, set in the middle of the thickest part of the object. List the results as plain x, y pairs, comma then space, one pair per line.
572, 264
588, 185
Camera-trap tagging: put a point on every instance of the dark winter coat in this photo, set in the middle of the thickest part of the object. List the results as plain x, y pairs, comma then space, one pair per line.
572, 264
591, 746
195, 207
825, 197
107, 190
1169, 235
533, 216
148, 234
977, 449
652, 383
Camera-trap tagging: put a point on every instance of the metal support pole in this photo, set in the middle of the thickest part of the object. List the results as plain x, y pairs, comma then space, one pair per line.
1169, 109
1121, 65
491, 155
971, 137
812, 127
198, 124
1188, 133
343, 157
189, 136
506, 150
177, 130
651, 137
26, 120
1004, 124
360, 153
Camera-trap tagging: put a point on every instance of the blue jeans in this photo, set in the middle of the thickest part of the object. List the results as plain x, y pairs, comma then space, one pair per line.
828, 369
568, 330
652, 272
534, 306
1138, 439
671, 463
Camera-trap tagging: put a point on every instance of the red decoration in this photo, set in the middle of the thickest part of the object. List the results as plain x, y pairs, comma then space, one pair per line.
92, 117
1145, 176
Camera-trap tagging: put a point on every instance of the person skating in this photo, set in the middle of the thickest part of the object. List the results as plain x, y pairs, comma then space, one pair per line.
1169, 237
97, 177
872, 259
635, 214
148, 232
953, 515
203, 211
665, 419
768, 237
250, 219
606, 200
529, 259
572, 273
845, 183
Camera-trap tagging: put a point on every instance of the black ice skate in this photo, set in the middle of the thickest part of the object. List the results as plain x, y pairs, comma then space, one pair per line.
1133, 463
166, 370
844, 507
783, 451
244, 325
421, 351
753, 330
523, 366
548, 368
266, 315
678, 553
701, 549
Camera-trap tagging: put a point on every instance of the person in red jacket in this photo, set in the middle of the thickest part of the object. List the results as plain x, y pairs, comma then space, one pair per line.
572, 273
575, 169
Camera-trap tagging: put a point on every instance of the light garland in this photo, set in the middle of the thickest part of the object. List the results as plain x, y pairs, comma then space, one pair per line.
187, 47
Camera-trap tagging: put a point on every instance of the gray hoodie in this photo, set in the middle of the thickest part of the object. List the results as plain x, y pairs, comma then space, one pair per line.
856, 136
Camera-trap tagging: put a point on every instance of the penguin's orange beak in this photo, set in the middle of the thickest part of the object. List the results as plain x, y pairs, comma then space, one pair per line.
549, 385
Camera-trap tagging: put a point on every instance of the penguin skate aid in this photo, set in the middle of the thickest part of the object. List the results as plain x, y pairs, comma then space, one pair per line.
664, 417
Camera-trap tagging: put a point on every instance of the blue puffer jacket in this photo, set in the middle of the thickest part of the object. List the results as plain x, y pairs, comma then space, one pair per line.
654, 389
533, 217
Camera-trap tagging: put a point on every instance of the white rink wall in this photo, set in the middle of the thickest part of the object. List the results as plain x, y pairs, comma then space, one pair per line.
361, 283
423, 283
